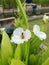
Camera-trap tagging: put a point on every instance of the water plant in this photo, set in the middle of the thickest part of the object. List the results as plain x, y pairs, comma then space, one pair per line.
24, 46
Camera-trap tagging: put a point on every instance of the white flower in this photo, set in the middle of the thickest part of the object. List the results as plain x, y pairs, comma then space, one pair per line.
36, 29
45, 16
38, 33
19, 35
2, 29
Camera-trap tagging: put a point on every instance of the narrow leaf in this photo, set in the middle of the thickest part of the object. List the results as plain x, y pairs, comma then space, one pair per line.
6, 48
16, 62
46, 62
17, 53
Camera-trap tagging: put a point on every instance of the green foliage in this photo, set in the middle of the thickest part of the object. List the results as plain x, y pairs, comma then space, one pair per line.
23, 1
16, 62
42, 2
0, 62
36, 1
43, 27
27, 47
23, 14
19, 23
0, 2
10, 3
25, 52
6, 49
0, 58
32, 59
46, 62
35, 44
18, 53
43, 56
0, 53
28, 52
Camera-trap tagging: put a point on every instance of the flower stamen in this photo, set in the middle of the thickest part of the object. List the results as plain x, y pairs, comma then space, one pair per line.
22, 36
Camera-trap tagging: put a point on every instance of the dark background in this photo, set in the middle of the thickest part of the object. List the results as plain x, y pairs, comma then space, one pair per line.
28, 1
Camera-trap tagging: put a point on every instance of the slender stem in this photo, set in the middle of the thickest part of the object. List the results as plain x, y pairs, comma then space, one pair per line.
22, 13
27, 47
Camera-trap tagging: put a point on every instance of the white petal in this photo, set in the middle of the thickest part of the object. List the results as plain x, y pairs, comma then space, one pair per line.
17, 40
27, 35
38, 33
36, 29
42, 36
17, 35
18, 31
46, 17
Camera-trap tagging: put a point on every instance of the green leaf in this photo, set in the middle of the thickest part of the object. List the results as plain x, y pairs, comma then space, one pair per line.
18, 24
0, 58
0, 62
27, 48
6, 49
25, 52
35, 44
0, 53
32, 59
16, 62
46, 62
43, 56
18, 53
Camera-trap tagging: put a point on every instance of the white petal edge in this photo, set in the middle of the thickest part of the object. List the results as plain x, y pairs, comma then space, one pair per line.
42, 36
38, 33
17, 40
18, 31
36, 29
27, 35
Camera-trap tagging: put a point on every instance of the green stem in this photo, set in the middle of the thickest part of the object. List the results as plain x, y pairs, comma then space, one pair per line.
27, 47
22, 12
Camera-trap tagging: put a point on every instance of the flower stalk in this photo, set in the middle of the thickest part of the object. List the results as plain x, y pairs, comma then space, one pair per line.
27, 49
23, 14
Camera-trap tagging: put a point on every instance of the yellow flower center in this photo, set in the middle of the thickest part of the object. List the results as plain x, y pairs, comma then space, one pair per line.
22, 36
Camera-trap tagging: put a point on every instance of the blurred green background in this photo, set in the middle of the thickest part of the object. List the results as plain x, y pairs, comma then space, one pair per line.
9, 3
42, 2
12, 3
